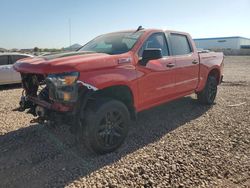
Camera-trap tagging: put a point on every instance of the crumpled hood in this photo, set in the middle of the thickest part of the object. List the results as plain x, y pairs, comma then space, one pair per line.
65, 62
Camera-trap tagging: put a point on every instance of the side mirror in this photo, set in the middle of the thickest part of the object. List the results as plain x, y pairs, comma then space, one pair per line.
150, 54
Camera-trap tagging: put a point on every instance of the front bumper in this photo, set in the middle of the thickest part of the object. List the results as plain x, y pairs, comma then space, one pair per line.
50, 106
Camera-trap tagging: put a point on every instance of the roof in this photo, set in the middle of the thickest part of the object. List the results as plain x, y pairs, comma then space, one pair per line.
149, 30
2, 49
221, 38
14, 53
134, 30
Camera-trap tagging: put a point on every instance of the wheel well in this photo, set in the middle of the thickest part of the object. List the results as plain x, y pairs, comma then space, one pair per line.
121, 93
216, 74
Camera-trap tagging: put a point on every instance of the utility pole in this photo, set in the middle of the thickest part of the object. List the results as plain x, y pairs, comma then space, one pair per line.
70, 33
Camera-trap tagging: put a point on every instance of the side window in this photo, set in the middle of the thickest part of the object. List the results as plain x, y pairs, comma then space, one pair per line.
180, 44
16, 58
156, 40
4, 60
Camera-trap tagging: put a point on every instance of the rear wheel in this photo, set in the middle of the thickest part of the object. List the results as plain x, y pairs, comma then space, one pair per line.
208, 94
106, 125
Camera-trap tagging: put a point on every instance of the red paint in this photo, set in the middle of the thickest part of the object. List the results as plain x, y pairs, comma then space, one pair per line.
150, 85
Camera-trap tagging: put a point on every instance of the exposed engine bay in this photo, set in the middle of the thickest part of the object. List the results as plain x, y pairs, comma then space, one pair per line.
52, 98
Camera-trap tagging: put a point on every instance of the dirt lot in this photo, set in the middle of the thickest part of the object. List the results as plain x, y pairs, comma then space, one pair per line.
180, 144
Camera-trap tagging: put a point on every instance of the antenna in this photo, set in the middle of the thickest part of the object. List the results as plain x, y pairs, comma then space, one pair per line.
139, 28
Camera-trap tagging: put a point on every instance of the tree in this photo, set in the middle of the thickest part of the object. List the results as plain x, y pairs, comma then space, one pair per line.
36, 49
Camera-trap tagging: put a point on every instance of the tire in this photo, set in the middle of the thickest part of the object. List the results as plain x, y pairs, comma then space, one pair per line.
106, 125
208, 94
44, 94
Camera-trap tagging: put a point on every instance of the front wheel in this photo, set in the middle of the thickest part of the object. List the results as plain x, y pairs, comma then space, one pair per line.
106, 125
208, 94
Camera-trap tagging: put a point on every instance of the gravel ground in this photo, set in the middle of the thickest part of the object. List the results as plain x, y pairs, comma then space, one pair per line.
179, 144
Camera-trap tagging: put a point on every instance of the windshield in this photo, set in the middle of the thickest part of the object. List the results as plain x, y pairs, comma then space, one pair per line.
114, 43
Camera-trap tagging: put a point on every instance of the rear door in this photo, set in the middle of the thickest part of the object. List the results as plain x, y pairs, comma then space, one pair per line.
16, 77
157, 83
187, 63
5, 70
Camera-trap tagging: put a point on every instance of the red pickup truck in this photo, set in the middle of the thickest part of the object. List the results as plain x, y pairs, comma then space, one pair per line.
102, 86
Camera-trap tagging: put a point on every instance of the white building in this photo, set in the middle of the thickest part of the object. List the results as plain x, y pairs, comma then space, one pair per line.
223, 43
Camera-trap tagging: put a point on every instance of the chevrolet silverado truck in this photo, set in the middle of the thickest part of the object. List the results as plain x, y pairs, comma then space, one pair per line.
99, 88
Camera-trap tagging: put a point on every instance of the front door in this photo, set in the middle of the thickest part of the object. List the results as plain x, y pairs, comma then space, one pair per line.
5, 70
158, 76
16, 77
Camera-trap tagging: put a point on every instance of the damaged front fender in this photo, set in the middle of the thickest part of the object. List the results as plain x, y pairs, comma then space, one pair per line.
89, 86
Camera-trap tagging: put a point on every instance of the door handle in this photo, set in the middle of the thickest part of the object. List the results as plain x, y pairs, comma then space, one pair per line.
170, 65
194, 62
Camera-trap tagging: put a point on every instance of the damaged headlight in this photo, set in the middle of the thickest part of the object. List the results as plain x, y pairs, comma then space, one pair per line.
63, 79
63, 86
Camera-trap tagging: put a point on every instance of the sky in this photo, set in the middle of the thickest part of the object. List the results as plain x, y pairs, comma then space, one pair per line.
45, 23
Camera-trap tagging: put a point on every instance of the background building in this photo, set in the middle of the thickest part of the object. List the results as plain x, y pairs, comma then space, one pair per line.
223, 43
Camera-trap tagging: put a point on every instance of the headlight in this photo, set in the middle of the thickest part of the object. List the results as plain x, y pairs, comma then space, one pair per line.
63, 87
63, 79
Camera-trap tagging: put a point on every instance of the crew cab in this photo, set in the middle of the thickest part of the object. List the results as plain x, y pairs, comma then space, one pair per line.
98, 89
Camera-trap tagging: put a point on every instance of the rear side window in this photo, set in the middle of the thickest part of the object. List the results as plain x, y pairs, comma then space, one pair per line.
180, 44
4, 60
156, 40
17, 57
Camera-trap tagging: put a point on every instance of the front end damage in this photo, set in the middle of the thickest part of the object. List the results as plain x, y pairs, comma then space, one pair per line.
54, 98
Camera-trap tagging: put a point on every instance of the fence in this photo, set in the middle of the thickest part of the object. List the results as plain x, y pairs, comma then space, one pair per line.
233, 51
